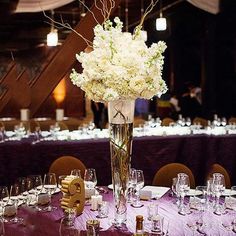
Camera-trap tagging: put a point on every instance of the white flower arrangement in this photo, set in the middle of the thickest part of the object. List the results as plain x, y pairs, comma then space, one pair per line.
121, 65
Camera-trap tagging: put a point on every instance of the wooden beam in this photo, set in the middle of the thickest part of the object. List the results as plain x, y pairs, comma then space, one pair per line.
16, 87
65, 58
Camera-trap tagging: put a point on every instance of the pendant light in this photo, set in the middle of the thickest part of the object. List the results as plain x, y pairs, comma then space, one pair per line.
52, 37
161, 21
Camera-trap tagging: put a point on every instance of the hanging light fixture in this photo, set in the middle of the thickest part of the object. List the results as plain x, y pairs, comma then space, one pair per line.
52, 37
143, 32
161, 21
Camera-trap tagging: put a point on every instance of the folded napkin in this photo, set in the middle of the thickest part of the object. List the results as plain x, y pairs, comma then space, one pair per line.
157, 192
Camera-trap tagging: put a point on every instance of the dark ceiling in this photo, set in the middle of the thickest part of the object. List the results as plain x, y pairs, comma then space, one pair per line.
27, 31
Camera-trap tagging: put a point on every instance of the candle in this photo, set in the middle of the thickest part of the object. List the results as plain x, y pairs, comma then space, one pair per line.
94, 203
24, 114
59, 114
99, 199
95, 199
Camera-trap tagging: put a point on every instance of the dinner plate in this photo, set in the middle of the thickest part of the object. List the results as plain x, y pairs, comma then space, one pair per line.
40, 187
194, 192
228, 192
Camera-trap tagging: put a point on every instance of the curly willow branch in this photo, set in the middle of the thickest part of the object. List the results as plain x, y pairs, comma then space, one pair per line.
67, 26
89, 11
147, 11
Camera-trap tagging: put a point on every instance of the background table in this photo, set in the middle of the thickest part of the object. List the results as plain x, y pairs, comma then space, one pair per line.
198, 152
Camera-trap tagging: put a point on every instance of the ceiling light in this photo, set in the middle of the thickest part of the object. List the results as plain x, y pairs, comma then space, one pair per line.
52, 38
161, 24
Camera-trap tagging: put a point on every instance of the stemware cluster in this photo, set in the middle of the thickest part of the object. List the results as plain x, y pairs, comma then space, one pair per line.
136, 183
205, 201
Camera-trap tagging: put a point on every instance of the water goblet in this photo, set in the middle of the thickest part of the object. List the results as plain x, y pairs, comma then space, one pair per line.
14, 203
183, 186
76, 173
4, 199
50, 185
218, 186
90, 178
132, 184
138, 187
36, 184
152, 210
102, 209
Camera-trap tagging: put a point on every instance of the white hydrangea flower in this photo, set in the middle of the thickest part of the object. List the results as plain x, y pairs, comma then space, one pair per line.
120, 66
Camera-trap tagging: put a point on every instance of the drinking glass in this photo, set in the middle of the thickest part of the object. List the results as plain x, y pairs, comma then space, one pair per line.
232, 198
218, 186
183, 186
138, 187
4, 199
102, 209
36, 184
157, 224
174, 190
14, 202
202, 197
67, 226
152, 210
188, 121
50, 185
132, 184
90, 178
60, 178
76, 173
37, 134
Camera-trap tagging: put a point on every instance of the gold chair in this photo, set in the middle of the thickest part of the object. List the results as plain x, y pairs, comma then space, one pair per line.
9, 123
167, 121
199, 120
217, 168
232, 120
165, 174
63, 166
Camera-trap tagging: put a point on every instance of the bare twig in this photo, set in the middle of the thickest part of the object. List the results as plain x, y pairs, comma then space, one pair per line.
67, 26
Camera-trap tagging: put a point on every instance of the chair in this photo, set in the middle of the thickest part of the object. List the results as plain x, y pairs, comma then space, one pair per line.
232, 120
63, 166
9, 123
167, 121
165, 174
217, 168
198, 120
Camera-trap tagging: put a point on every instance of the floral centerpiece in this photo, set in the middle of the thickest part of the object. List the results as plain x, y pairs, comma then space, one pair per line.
121, 66
119, 69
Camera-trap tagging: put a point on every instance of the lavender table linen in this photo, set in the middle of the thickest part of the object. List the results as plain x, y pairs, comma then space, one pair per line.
198, 152
48, 223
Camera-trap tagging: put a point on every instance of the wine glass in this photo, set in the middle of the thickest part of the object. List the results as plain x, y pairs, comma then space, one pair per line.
37, 186
15, 191
132, 184
90, 178
182, 187
188, 121
4, 199
50, 185
138, 187
218, 186
76, 173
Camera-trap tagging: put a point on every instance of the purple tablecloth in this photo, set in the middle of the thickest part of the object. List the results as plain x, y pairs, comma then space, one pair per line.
47, 224
198, 152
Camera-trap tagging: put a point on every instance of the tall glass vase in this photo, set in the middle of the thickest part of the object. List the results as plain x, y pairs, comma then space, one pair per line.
121, 115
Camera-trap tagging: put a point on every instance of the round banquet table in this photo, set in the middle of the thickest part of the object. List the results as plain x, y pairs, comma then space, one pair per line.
48, 223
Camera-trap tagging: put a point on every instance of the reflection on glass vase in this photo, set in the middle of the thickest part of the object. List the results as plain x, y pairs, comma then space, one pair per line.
121, 115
